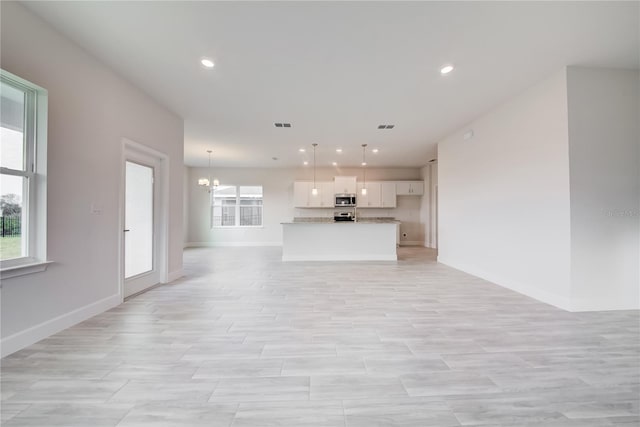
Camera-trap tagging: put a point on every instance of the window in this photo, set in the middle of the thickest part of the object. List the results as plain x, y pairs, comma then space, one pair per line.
236, 206
23, 114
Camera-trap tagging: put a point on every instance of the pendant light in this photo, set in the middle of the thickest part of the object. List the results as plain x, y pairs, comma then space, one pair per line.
364, 170
206, 182
314, 190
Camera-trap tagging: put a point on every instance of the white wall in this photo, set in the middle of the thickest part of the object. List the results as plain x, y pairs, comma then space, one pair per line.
504, 195
90, 110
185, 205
544, 199
605, 193
278, 203
428, 206
276, 207
433, 208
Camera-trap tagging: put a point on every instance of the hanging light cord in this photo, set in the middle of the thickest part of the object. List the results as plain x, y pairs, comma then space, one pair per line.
364, 166
314, 164
210, 182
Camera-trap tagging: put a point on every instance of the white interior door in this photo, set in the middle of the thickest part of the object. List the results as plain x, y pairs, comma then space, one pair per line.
140, 266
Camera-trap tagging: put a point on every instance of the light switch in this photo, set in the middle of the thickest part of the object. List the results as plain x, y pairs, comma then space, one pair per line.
96, 209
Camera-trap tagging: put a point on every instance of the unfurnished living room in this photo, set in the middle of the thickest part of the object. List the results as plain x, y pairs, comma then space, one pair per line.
317, 213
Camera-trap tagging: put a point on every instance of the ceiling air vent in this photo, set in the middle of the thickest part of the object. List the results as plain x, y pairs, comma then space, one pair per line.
282, 125
385, 126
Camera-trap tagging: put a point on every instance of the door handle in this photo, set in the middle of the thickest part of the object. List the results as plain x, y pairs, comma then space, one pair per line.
126, 230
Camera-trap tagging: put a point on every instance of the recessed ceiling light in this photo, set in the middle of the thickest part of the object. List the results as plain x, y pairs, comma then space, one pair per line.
302, 150
446, 69
207, 62
338, 150
364, 163
305, 163
375, 150
334, 163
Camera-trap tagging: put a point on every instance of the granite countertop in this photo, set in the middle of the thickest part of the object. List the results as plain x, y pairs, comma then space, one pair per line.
325, 220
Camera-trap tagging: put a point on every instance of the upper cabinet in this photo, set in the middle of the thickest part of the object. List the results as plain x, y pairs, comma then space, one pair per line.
388, 195
379, 195
327, 195
302, 197
344, 184
301, 193
372, 198
409, 188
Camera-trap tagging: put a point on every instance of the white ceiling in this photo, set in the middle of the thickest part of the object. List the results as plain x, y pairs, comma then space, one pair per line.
336, 70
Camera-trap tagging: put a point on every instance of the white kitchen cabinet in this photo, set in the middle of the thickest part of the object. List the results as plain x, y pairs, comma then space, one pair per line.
344, 184
373, 197
361, 201
388, 195
409, 188
379, 195
301, 194
328, 194
325, 197
302, 197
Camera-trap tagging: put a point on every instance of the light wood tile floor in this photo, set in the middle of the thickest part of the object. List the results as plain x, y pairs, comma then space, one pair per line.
245, 340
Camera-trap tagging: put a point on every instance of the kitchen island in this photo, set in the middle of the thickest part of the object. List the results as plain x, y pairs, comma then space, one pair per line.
321, 240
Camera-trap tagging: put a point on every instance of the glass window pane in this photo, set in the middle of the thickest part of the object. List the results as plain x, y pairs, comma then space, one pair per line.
228, 216
224, 192
224, 206
12, 242
138, 219
12, 103
254, 192
251, 205
250, 215
216, 216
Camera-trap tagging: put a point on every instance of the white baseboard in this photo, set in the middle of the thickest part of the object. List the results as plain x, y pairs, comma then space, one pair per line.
29, 336
604, 304
546, 297
230, 244
174, 275
411, 243
361, 257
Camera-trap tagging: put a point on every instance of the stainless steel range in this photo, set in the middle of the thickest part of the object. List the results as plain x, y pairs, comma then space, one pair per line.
344, 216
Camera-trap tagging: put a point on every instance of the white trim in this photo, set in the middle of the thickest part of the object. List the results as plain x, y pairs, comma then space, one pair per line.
603, 304
546, 297
229, 244
132, 150
231, 227
212, 193
34, 212
359, 257
411, 243
23, 269
174, 275
29, 336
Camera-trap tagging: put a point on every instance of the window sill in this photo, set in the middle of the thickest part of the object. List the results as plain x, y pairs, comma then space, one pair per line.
24, 269
231, 227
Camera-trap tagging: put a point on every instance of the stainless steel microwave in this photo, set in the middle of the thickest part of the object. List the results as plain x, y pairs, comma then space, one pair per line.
345, 200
